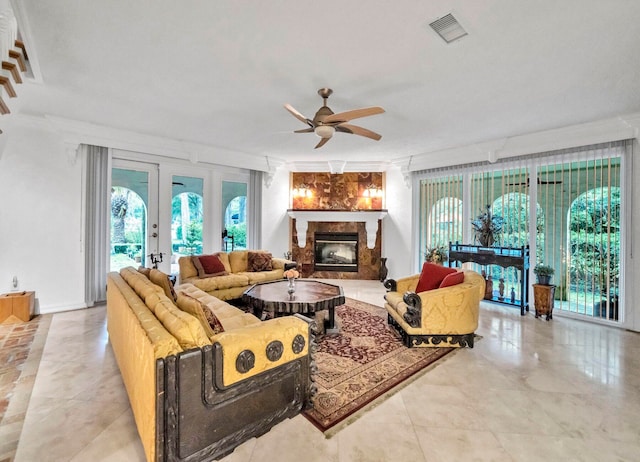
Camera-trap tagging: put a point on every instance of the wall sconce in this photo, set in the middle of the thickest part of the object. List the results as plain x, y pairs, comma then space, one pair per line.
302, 191
372, 191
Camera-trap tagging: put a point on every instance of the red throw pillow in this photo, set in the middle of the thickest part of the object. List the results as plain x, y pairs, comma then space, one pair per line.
452, 279
431, 276
208, 265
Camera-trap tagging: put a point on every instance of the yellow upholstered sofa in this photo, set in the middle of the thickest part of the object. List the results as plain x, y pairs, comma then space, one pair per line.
440, 317
239, 276
197, 391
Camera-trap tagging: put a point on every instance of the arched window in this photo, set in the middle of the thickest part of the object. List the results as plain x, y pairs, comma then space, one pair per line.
593, 241
186, 223
128, 224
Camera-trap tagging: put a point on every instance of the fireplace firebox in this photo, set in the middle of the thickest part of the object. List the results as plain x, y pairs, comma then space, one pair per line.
336, 252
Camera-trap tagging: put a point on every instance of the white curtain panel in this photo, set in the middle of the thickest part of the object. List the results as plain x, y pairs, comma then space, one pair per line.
97, 226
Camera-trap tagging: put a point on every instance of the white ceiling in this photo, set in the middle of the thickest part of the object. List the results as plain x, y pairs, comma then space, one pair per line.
218, 72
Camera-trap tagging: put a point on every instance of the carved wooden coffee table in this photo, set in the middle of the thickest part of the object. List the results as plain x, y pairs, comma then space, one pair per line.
310, 297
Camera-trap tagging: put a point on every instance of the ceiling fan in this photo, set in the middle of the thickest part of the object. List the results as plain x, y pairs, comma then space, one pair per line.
325, 123
538, 180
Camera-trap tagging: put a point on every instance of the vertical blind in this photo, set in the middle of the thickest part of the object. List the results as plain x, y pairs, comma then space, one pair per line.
577, 198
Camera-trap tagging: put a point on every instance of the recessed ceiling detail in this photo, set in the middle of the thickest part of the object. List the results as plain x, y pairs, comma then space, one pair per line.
448, 28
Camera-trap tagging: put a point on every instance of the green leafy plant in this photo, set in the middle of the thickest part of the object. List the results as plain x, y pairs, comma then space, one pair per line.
543, 270
487, 227
437, 254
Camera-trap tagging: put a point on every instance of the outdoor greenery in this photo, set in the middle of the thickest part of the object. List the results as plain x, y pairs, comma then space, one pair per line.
595, 239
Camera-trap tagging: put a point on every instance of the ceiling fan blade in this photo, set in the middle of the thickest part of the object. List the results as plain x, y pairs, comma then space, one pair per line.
297, 115
354, 114
304, 130
354, 129
322, 143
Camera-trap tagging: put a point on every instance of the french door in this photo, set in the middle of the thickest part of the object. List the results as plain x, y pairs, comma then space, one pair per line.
134, 214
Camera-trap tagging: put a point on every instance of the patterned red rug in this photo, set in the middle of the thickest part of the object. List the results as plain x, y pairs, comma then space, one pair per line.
364, 361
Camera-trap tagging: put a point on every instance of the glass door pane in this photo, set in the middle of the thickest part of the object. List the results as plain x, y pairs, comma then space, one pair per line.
234, 218
186, 218
129, 205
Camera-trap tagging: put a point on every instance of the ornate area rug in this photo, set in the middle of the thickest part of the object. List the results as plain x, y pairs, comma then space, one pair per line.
364, 361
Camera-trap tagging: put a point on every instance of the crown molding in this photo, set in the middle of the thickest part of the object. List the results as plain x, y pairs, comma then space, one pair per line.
99, 135
600, 131
338, 166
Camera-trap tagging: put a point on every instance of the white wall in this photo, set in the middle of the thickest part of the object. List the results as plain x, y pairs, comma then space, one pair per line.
275, 221
397, 226
40, 227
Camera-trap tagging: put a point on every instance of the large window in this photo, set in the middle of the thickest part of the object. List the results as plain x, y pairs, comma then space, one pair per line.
234, 206
576, 196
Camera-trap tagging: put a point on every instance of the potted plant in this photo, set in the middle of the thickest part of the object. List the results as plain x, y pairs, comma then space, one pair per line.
437, 254
487, 227
543, 273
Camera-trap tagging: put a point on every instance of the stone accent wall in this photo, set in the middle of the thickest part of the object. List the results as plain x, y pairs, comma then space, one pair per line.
337, 191
368, 259
333, 192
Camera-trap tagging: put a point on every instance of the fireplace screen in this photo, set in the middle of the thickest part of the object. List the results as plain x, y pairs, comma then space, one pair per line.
336, 252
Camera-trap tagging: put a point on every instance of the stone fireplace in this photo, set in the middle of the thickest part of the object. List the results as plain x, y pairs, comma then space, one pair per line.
361, 228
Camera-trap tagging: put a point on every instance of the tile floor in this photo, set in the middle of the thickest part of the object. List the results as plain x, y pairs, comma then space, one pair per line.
530, 390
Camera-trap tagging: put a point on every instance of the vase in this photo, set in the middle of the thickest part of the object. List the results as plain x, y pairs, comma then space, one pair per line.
383, 269
291, 288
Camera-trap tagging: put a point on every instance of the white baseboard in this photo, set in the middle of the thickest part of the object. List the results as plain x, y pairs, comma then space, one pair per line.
50, 309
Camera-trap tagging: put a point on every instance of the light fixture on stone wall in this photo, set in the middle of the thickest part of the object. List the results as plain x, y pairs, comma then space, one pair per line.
372, 191
302, 191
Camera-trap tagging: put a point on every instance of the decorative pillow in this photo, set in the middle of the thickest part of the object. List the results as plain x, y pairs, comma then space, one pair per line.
208, 266
452, 279
431, 276
161, 279
202, 312
259, 261
145, 271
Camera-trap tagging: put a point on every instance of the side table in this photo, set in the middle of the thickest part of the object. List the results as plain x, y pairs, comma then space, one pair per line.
16, 307
543, 298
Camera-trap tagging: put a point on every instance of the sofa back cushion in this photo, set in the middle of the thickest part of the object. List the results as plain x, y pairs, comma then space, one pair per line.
162, 280
142, 286
209, 265
259, 261
187, 269
239, 261
186, 328
431, 276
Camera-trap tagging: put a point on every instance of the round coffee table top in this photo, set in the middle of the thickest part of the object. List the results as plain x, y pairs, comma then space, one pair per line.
310, 296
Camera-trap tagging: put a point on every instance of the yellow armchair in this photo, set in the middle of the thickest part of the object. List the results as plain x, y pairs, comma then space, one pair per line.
439, 317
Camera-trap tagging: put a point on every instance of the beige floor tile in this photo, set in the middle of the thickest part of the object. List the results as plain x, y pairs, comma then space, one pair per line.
530, 390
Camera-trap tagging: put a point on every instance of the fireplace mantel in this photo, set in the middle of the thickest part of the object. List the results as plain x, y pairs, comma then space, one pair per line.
369, 217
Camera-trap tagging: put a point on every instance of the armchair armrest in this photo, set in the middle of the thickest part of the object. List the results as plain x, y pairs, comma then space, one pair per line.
250, 350
407, 284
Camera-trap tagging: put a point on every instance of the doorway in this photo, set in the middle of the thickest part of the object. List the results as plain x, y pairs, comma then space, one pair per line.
134, 214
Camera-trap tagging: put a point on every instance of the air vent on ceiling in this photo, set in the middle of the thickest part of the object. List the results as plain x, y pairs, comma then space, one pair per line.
448, 28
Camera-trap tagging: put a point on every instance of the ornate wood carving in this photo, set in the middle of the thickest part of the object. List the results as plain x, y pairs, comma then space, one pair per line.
204, 420
298, 343
413, 316
391, 285
274, 350
464, 340
245, 361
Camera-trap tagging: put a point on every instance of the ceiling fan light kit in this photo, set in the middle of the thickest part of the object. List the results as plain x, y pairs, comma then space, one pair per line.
325, 122
324, 131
